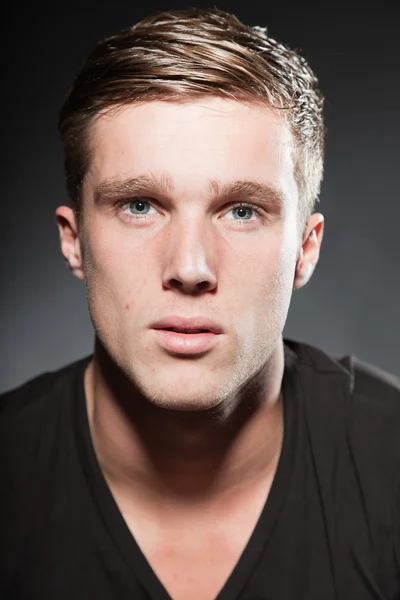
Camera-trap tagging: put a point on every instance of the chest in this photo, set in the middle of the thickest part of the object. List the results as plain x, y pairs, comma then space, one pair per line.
195, 558
197, 571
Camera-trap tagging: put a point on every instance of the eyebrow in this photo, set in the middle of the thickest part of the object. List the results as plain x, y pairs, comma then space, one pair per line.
260, 191
115, 187
146, 185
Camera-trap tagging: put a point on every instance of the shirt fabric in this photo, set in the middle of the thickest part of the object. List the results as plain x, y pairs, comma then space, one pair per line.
329, 530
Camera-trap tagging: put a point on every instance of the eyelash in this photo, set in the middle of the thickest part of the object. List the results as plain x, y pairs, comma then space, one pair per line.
125, 203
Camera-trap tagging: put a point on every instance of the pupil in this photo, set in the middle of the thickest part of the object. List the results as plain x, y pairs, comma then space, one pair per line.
139, 206
242, 211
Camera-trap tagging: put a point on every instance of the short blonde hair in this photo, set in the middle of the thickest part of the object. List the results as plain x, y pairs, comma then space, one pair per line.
184, 54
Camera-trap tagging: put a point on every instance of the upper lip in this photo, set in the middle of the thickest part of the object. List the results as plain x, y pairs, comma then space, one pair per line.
187, 324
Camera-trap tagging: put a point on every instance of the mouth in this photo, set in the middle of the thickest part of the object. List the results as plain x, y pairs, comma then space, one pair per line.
186, 342
185, 336
188, 325
185, 331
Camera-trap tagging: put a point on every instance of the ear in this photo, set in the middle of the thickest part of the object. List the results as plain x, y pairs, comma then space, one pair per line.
309, 251
69, 239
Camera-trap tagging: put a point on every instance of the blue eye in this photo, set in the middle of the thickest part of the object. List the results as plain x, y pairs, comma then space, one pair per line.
138, 207
243, 212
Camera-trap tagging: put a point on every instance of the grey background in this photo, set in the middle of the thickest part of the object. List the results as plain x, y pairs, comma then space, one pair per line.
351, 304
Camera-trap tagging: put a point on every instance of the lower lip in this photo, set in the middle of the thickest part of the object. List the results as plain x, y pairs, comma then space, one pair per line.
186, 343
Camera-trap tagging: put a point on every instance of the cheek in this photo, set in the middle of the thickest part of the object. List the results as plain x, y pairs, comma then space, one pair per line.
280, 287
116, 278
267, 293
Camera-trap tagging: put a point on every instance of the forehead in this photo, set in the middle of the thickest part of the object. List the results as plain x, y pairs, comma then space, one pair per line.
194, 142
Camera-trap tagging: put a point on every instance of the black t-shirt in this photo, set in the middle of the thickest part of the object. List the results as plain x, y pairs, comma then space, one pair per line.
330, 528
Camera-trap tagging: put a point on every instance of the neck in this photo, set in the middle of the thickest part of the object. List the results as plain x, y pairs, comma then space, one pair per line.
180, 456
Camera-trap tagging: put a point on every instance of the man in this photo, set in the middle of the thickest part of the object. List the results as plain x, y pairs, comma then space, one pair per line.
197, 455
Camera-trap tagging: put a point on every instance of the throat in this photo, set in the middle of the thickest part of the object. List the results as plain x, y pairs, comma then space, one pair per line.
183, 457
187, 470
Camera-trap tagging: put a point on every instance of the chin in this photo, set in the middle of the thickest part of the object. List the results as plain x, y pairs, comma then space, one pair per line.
182, 391
189, 398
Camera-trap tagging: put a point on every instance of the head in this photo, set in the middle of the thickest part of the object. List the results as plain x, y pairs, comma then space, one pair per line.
169, 127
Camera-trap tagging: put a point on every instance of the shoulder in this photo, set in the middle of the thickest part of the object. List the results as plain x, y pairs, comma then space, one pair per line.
37, 446
352, 409
35, 422
352, 423
372, 381
32, 397
361, 378
350, 395
347, 390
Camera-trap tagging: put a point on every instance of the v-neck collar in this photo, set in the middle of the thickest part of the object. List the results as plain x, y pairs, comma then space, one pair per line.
119, 532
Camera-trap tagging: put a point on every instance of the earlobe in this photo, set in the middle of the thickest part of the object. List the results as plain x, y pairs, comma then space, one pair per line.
309, 251
69, 240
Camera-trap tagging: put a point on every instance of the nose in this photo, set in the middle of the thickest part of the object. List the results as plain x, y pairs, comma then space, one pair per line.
189, 259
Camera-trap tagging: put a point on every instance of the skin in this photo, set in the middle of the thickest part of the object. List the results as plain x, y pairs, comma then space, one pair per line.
189, 436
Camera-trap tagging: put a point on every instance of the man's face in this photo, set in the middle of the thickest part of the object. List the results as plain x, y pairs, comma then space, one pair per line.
164, 237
